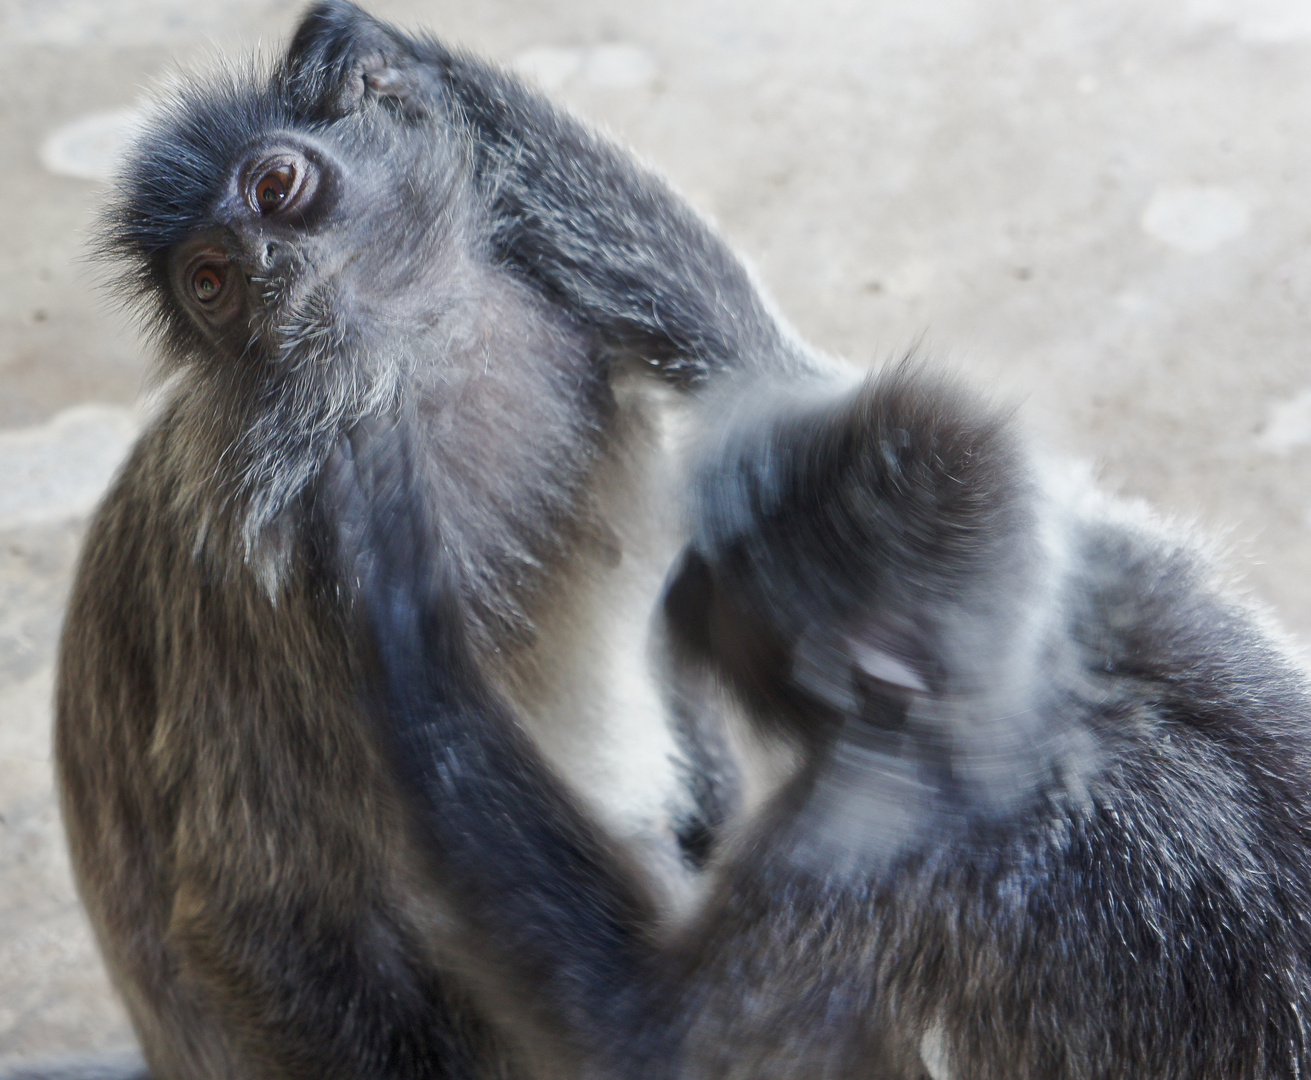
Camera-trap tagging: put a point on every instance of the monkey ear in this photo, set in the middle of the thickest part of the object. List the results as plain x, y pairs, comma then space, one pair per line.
340, 55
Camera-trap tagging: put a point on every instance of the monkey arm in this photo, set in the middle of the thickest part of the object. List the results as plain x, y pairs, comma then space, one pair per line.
554, 906
604, 237
609, 239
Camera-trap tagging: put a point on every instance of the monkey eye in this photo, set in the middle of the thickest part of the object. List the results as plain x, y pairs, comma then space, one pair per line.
273, 188
278, 184
207, 282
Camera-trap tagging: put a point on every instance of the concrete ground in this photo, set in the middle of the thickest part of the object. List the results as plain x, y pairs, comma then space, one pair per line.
1096, 208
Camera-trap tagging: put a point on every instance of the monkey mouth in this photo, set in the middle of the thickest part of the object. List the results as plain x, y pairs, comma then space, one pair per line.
296, 332
272, 287
291, 321
296, 308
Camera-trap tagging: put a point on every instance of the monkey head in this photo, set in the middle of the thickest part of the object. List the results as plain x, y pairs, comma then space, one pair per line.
887, 525
301, 240
271, 219
868, 574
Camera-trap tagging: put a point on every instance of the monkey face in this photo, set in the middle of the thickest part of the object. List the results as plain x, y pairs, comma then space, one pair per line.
303, 238
225, 275
241, 278
258, 222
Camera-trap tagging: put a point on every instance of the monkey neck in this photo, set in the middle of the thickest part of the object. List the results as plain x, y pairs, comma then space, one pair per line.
246, 445
509, 439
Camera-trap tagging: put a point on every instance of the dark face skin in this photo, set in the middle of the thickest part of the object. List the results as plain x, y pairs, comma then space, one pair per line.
289, 226
274, 193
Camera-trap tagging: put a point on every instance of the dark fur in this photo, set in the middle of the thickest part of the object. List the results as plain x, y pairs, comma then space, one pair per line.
1087, 777
488, 273
1069, 847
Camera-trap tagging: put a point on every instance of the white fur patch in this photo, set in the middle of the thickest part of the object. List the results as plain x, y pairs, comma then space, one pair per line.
934, 1053
590, 692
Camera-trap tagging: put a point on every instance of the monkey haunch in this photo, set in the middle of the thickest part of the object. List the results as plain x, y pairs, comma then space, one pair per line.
376, 226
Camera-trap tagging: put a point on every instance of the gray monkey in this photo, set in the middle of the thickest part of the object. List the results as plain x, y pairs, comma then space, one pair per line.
379, 225
1052, 817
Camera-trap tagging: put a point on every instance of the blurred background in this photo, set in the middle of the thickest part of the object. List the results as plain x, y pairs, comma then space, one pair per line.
1096, 208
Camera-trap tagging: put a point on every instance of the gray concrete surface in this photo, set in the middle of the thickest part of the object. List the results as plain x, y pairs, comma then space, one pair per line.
1098, 208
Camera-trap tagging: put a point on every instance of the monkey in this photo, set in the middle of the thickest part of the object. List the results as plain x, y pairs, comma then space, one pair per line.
1053, 812
251, 874
376, 224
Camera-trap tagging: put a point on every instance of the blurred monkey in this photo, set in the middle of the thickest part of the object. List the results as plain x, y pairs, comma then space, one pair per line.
1052, 812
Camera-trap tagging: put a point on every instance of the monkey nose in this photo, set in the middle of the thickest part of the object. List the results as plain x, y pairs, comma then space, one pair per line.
270, 255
